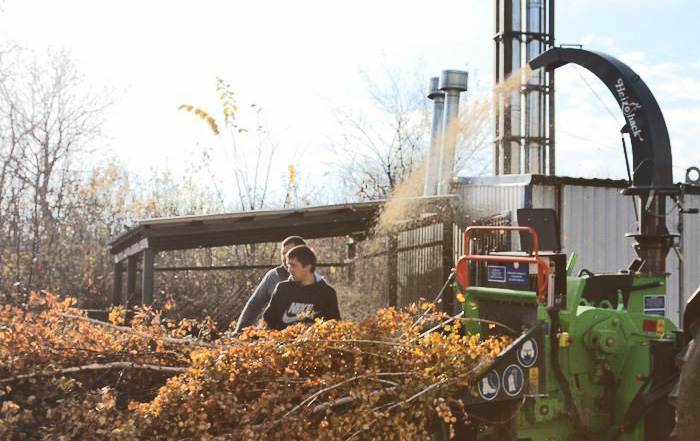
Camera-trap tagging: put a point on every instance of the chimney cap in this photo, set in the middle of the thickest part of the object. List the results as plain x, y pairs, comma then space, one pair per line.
454, 80
433, 89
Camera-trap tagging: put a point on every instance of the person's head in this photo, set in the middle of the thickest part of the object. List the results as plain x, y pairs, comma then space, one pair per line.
301, 261
288, 244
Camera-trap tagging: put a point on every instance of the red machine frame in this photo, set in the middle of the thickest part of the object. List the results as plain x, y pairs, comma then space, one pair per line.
542, 267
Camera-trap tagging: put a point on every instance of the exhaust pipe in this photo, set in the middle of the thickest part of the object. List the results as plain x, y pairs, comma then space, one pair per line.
432, 162
452, 82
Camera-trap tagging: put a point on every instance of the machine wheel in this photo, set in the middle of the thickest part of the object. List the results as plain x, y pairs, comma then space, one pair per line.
687, 393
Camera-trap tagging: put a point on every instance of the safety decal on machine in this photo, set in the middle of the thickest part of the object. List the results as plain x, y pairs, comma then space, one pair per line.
534, 374
517, 273
496, 274
512, 273
513, 380
527, 353
655, 305
489, 386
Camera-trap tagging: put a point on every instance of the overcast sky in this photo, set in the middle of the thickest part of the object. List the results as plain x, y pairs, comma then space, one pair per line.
299, 60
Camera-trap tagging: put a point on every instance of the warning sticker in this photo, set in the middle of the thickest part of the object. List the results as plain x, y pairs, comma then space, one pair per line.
517, 273
513, 380
497, 274
512, 273
527, 353
489, 386
534, 380
655, 305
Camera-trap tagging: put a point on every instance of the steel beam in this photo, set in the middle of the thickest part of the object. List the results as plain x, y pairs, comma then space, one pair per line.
233, 267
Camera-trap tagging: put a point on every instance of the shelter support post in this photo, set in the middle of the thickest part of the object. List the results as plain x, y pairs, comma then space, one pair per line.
391, 268
131, 282
350, 253
147, 275
448, 262
117, 289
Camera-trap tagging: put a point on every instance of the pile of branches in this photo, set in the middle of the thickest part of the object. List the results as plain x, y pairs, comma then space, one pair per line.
65, 376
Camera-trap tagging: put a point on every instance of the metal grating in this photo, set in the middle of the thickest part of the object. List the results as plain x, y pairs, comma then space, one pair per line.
420, 263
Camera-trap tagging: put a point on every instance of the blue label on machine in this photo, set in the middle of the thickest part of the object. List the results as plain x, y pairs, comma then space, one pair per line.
497, 274
512, 272
517, 273
655, 305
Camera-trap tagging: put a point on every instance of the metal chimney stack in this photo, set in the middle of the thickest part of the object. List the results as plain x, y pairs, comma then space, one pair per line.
432, 162
524, 123
452, 82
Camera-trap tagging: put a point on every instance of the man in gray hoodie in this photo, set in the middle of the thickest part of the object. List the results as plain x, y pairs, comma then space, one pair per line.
257, 303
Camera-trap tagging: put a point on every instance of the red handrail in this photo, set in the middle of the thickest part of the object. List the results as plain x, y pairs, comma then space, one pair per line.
542, 267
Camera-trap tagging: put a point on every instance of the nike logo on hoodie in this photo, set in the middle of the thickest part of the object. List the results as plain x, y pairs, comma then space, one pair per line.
298, 311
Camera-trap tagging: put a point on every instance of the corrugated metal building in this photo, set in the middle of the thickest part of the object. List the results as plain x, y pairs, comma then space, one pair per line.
593, 219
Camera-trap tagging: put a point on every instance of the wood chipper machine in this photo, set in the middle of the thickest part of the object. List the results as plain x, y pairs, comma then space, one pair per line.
593, 357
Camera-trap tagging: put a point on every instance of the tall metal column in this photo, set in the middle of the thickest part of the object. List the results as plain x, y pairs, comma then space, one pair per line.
507, 99
550, 94
524, 125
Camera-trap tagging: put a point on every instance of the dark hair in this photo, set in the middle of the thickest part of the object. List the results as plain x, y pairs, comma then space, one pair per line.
294, 240
304, 255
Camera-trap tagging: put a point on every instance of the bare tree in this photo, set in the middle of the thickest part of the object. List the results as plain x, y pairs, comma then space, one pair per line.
382, 143
47, 118
248, 151
385, 142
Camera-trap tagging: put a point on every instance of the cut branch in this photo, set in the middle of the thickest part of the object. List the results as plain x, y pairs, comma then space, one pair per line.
97, 367
424, 391
179, 341
350, 340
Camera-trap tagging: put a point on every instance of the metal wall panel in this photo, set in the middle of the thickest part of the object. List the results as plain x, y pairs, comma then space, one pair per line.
543, 196
594, 221
691, 247
481, 201
690, 250
485, 200
674, 299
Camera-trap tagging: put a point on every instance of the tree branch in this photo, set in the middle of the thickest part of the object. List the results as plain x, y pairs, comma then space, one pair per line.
179, 341
97, 367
